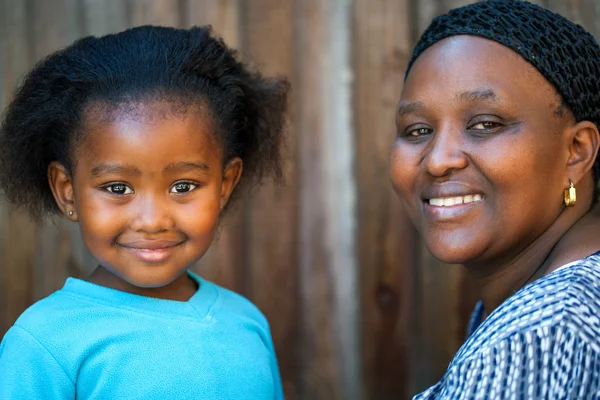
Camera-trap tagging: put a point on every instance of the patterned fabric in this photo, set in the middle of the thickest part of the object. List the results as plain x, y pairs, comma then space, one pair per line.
541, 343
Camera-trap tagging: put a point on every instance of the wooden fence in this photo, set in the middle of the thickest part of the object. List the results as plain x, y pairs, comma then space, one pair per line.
358, 309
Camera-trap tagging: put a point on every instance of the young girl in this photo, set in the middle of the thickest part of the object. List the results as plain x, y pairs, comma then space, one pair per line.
141, 138
496, 161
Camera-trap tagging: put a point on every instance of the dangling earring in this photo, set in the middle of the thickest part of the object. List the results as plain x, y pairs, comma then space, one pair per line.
570, 195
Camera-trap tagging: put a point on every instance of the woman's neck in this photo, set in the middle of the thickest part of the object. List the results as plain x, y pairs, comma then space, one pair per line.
572, 236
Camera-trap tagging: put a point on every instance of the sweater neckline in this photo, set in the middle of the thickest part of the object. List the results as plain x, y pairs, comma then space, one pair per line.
200, 305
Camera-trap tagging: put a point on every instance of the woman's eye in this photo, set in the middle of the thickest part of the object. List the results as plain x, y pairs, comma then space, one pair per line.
183, 187
485, 125
119, 188
417, 132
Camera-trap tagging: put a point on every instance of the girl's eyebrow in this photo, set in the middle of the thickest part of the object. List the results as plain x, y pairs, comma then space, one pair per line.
186, 166
103, 169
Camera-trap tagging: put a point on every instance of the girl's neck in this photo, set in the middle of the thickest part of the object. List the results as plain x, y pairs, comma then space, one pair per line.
181, 289
571, 237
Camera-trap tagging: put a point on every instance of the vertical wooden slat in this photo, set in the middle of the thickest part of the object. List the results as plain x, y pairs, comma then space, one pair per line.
387, 243
223, 15
328, 287
154, 12
18, 237
224, 261
53, 25
101, 18
272, 210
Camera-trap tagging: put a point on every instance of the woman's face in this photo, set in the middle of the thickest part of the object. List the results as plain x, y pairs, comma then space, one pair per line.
480, 156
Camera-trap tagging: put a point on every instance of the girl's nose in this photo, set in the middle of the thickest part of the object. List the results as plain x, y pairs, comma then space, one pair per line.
152, 215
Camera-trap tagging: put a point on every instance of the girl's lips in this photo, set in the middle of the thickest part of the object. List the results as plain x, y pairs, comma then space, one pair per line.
153, 253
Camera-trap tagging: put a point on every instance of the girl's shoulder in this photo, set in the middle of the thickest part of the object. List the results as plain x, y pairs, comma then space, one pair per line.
231, 304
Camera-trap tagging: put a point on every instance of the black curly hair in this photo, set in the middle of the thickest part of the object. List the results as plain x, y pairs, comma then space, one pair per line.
562, 51
44, 122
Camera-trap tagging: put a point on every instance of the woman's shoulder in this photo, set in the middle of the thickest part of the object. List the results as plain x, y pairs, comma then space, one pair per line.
566, 298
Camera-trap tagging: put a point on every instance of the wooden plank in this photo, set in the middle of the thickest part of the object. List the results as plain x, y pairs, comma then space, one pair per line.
272, 210
17, 240
224, 261
328, 335
101, 18
154, 12
223, 15
53, 25
386, 241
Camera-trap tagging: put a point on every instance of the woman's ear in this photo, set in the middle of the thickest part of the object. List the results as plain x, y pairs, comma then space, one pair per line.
584, 140
61, 185
231, 177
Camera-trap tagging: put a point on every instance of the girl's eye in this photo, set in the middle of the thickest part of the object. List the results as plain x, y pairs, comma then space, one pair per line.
119, 188
183, 187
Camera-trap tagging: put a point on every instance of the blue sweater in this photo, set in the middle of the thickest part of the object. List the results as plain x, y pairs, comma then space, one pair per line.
90, 342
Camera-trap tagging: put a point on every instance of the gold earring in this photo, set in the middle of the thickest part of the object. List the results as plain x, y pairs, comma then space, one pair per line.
570, 195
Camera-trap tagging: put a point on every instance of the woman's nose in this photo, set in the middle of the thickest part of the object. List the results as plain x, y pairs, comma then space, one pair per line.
445, 152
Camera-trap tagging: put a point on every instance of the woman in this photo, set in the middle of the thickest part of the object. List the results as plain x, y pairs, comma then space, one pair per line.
496, 162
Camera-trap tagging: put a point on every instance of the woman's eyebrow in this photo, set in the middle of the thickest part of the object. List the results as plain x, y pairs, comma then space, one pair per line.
405, 108
482, 94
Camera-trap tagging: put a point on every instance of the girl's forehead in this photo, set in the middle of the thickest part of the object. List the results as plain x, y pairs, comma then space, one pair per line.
146, 123
145, 111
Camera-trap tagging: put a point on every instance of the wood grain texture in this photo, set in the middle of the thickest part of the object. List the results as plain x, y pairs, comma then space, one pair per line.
272, 212
386, 242
328, 343
154, 12
357, 307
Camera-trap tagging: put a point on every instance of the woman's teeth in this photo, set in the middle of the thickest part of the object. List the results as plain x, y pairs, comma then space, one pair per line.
452, 201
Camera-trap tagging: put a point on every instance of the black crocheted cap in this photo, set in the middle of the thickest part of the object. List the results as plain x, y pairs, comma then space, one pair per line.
565, 54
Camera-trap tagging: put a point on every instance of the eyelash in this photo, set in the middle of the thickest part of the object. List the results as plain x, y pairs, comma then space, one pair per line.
409, 132
110, 188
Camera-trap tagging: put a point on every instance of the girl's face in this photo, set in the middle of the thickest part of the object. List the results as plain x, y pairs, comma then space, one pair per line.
479, 159
147, 190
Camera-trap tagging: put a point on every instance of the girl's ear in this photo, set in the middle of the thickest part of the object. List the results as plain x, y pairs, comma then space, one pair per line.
231, 177
584, 140
61, 185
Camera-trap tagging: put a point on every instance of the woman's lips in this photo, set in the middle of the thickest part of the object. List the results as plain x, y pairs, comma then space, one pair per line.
451, 207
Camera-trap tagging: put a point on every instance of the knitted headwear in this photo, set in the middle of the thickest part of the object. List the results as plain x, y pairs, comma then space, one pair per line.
564, 53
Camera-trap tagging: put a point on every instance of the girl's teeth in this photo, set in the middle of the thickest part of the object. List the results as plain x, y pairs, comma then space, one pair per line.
451, 201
